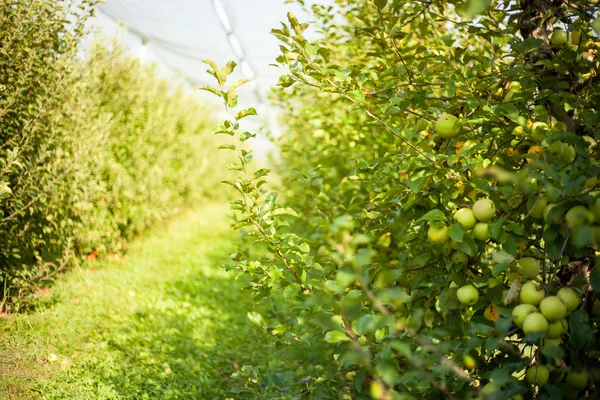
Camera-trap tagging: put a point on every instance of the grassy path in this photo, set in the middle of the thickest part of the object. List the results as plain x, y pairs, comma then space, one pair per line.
165, 323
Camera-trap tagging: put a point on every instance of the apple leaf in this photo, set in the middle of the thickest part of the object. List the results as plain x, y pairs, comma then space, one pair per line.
502, 257
581, 332
468, 246
257, 319
336, 337
433, 215
595, 279
456, 232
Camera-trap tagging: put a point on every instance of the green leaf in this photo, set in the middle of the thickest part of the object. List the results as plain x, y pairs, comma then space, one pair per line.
380, 3
456, 232
336, 337
257, 319
502, 257
580, 330
283, 211
433, 215
245, 113
212, 90
468, 246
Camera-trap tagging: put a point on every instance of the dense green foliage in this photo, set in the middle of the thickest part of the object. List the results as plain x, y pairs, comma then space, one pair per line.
92, 151
366, 252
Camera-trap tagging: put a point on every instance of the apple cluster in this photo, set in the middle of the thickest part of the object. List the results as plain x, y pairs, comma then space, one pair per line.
542, 315
473, 219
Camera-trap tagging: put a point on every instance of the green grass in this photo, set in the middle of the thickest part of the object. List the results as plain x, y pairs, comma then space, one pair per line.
167, 322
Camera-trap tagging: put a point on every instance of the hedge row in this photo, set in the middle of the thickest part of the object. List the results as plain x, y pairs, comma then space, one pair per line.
93, 151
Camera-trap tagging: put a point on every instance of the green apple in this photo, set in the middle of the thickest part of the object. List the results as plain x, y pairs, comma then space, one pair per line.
438, 235
553, 308
518, 131
445, 126
578, 380
535, 323
556, 150
514, 86
467, 295
546, 214
579, 216
520, 312
480, 231
530, 267
552, 342
469, 144
489, 390
537, 374
465, 217
493, 282
576, 37
559, 38
530, 294
539, 130
484, 210
557, 328
459, 258
537, 210
569, 154
469, 362
570, 298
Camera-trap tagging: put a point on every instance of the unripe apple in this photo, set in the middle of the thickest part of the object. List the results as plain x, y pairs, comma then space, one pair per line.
578, 380
469, 362
467, 295
484, 210
537, 210
570, 298
576, 37
559, 38
535, 323
569, 154
530, 267
530, 294
553, 308
552, 342
480, 231
579, 216
469, 144
490, 389
520, 312
547, 210
465, 217
445, 126
556, 150
514, 86
537, 374
518, 131
459, 258
438, 235
493, 282
539, 130
557, 328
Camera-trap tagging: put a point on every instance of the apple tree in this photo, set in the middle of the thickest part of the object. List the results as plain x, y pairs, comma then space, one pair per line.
438, 225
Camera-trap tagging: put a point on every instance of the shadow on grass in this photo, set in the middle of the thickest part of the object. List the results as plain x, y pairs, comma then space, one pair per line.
185, 343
